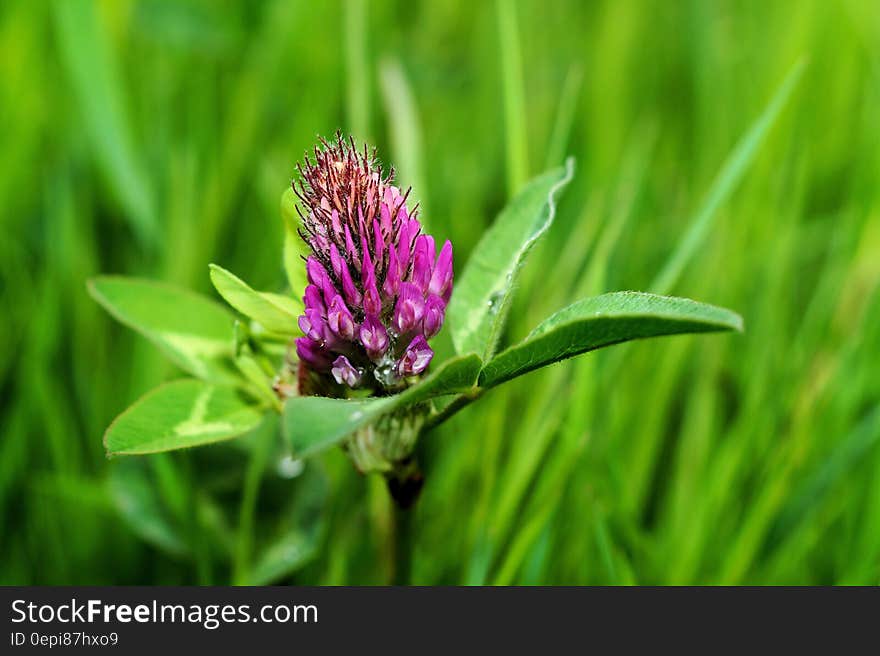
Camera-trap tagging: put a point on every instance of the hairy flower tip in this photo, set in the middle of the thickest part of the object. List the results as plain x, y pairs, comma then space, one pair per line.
378, 288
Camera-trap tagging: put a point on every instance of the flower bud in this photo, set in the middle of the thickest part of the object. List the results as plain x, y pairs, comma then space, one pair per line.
416, 358
345, 373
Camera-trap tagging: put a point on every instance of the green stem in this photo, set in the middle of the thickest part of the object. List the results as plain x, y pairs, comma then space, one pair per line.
402, 545
404, 484
244, 538
178, 490
457, 404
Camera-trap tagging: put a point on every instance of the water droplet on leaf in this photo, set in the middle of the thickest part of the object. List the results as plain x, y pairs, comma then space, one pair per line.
494, 302
290, 467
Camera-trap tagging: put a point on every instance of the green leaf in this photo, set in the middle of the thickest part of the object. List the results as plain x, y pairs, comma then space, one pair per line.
294, 266
312, 424
260, 378
276, 313
601, 321
295, 249
481, 298
193, 331
289, 215
181, 414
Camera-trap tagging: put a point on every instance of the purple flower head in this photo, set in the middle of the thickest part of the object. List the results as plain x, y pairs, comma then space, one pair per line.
378, 288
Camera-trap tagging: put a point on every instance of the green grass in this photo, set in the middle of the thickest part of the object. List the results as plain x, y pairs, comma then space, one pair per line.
151, 138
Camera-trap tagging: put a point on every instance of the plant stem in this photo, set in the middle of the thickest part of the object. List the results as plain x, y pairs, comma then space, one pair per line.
197, 531
244, 538
402, 545
404, 484
457, 404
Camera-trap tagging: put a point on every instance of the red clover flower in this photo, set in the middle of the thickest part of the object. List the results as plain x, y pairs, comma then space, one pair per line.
378, 290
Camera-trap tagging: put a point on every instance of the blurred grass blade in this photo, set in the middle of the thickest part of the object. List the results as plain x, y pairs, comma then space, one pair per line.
482, 296
285, 555
521, 543
406, 134
181, 414
312, 424
276, 313
602, 321
517, 147
90, 66
809, 497
295, 536
137, 500
194, 332
357, 67
725, 182
565, 115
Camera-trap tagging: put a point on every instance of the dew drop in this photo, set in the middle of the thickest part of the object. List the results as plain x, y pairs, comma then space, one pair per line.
290, 467
385, 372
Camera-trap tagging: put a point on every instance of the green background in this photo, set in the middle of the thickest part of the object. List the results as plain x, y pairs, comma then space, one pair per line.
151, 138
